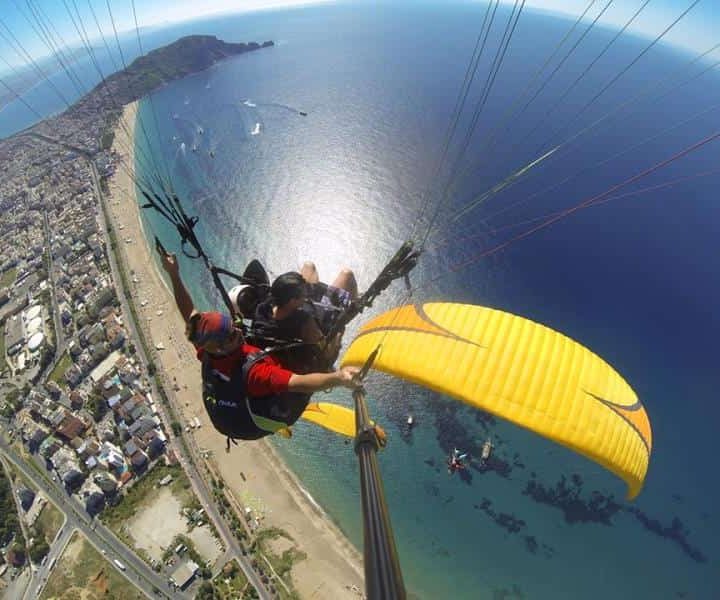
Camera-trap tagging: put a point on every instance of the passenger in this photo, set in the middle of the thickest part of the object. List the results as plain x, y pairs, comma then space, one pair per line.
339, 293
300, 308
248, 393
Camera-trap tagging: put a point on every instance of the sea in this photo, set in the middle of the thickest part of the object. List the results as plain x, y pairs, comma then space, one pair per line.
633, 274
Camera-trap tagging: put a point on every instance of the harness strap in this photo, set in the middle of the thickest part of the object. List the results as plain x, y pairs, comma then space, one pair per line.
229, 439
264, 423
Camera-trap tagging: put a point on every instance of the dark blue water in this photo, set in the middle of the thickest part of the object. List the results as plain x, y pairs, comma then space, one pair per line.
634, 279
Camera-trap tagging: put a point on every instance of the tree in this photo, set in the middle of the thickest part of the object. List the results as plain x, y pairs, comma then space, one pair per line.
207, 592
16, 556
107, 139
97, 406
38, 550
176, 427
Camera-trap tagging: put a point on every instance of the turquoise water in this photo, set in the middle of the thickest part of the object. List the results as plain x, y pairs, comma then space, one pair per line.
634, 279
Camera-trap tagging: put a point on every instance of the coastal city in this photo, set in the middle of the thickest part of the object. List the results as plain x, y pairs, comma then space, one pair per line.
101, 466
79, 415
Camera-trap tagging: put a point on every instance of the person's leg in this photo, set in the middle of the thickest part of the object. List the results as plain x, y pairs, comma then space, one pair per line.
346, 281
309, 272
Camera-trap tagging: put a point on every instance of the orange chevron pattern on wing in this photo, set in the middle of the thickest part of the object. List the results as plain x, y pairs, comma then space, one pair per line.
639, 419
405, 317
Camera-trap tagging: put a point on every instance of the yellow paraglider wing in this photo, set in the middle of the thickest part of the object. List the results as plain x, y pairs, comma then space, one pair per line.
519, 370
333, 417
338, 419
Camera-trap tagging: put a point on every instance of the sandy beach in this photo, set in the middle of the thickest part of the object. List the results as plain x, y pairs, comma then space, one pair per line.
332, 565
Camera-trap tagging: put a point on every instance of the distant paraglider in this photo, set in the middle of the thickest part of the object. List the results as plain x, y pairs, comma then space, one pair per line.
456, 461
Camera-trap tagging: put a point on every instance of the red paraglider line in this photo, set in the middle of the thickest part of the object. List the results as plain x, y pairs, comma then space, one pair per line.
451, 240
585, 203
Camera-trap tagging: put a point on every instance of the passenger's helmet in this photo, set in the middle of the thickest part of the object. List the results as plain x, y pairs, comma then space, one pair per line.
244, 299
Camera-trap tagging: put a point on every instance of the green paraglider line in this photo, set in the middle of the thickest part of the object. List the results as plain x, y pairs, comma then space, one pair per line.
510, 179
585, 203
653, 188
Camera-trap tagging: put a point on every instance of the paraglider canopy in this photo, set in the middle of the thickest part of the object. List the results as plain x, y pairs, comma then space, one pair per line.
519, 370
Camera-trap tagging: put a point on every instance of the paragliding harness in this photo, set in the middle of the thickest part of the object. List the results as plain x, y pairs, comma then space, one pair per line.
333, 318
231, 410
237, 415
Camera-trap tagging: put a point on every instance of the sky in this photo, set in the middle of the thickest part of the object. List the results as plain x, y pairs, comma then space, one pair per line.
18, 26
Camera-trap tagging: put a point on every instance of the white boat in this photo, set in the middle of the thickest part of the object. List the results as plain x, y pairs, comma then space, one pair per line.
486, 451
410, 421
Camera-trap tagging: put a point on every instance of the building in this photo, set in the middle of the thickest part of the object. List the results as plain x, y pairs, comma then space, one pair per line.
106, 482
105, 367
14, 336
111, 456
184, 574
70, 427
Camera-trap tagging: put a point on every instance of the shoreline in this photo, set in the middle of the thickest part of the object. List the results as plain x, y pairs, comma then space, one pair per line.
253, 471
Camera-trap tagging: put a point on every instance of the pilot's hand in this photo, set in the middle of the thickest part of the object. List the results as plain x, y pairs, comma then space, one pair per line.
170, 263
346, 377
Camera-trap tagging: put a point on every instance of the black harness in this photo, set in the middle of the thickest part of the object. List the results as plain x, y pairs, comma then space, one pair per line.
238, 415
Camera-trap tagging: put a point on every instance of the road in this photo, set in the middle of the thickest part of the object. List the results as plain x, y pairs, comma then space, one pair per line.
189, 459
41, 575
138, 572
59, 331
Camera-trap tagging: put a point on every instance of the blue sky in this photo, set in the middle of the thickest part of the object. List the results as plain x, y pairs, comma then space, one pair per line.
694, 32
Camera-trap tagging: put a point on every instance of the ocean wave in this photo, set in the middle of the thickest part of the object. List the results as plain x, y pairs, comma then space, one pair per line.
310, 499
250, 104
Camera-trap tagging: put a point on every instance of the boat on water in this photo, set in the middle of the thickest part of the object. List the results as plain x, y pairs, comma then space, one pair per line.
200, 130
194, 147
486, 450
302, 113
410, 421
